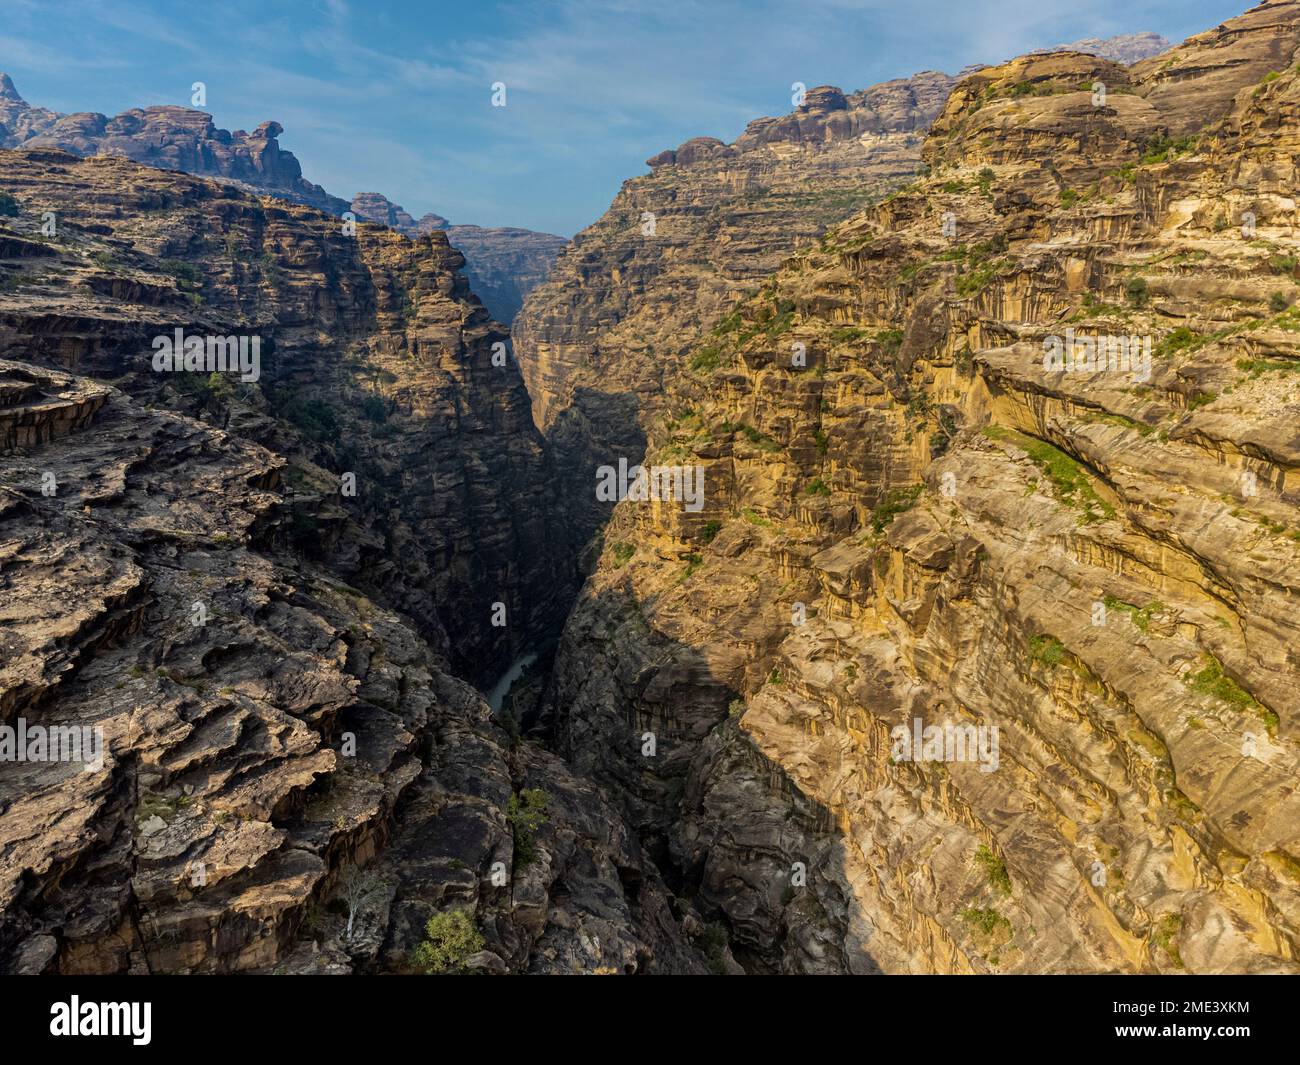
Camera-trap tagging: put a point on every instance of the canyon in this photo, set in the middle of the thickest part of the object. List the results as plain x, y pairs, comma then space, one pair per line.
280, 599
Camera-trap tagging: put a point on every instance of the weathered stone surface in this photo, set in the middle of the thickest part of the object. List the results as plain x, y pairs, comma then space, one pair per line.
502, 264
250, 756
173, 138
375, 360
1127, 48
925, 522
917, 519
679, 246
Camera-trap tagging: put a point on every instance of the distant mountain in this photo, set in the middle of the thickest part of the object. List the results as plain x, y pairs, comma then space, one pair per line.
1128, 48
503, 265
169, 138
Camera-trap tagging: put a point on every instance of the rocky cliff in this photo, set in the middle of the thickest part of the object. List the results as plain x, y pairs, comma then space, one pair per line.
503, 264
681, 245
1127, 48
945, 491
260, 590
172, 138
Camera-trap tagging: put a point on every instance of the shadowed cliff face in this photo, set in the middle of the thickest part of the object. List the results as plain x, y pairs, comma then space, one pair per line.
375, 361
262, 727
917, 508
949, 491
255, 592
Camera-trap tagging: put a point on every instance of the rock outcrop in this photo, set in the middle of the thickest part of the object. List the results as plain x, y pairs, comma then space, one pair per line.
1126, 49
376, 361
247, 596
262, 729
172, 138
684, 243
927, 507
503, 264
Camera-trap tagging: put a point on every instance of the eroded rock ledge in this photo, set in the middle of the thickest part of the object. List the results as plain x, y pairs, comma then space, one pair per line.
923, 521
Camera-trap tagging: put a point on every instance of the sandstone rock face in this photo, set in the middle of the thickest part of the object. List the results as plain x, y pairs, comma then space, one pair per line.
503, 264
927, 524
680, 246
172, 138
247, 760
261, 660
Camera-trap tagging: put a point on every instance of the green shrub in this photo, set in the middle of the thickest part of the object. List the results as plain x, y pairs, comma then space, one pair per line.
895, 502
1136, 291
8, 205
622, 553
1278, 302
314, 417
890, 339
1162, 148
1166, 932
987, 920
374, 408
187, 274
848, 333
1046, 650
759, 439
818, 487
1212, 681
1178, 340
710, 531
994, 869
450, 938
707, 359
526, 813
1069, 482
1140, 616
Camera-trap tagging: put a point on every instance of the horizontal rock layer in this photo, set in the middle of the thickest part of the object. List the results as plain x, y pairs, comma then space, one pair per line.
909, 515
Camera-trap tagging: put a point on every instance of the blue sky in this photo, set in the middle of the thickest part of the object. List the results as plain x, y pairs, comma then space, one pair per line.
395, 97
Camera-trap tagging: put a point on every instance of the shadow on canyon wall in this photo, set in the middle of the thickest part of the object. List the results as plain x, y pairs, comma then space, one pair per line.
728, 829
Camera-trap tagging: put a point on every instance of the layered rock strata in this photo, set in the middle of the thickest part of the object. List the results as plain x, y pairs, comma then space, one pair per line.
375, 362
919, 513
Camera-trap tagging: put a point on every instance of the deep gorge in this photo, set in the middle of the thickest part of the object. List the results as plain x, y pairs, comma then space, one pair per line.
841, 318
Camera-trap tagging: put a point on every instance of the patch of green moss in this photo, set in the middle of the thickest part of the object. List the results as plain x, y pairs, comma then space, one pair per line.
1045, 649
995, 870
1069, 482
894, 503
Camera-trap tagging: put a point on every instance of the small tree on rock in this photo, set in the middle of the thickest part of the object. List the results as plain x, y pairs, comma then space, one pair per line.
357, 888
450, 938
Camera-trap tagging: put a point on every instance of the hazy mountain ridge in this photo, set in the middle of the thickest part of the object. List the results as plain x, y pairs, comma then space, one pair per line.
504, 262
